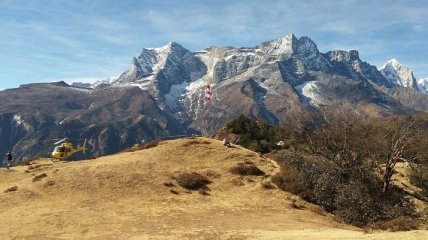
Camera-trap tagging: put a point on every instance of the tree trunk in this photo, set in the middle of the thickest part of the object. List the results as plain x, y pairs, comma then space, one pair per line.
387, 179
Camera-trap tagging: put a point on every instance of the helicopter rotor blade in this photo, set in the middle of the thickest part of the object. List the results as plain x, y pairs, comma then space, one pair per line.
59, 142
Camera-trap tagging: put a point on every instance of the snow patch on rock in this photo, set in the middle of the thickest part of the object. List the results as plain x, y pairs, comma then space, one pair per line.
20, 121
310, 90
176, 92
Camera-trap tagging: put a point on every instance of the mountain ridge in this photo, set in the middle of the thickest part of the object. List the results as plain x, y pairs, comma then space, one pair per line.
285, 46
162, 93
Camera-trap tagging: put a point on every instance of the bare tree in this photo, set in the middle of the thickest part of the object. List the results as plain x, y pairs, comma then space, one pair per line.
402, 137
338, 135
300, 119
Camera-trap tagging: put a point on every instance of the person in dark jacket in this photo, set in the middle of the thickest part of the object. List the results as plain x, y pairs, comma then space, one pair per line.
8, 159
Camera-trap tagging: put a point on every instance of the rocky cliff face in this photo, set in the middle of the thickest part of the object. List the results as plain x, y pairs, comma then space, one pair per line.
163, 94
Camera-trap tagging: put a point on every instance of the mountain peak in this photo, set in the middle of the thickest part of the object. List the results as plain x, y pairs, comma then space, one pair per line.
152, 56
289, 37
289, 44
174, 44
398, 74
169, 47
305, 48
151, 61
394, 63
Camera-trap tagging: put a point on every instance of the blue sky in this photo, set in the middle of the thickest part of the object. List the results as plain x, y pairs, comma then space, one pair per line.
85, 40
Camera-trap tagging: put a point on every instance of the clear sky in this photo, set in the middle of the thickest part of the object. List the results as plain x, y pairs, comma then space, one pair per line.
86, 40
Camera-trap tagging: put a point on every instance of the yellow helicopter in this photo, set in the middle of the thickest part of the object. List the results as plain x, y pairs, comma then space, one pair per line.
66, 149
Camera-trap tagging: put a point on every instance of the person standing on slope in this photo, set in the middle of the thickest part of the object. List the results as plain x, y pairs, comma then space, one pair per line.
8, 159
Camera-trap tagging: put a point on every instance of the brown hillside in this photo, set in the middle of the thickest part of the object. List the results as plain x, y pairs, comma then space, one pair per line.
136, 195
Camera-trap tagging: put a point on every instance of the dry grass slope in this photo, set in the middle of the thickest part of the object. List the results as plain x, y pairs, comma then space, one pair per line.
138, 195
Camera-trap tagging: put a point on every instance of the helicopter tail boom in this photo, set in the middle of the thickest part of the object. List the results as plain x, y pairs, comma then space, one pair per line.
84, 147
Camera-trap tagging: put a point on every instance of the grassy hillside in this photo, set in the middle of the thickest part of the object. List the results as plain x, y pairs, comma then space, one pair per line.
193, 188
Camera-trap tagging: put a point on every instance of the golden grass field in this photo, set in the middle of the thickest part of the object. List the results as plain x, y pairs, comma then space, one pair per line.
134, 195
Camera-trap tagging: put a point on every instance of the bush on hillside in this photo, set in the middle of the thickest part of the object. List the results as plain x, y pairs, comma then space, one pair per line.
137, 147
39, 177
353, 194
246, 169
397, 224
419, 177
195, 142
287, 180
192, 181
11, 189
151, 144
419, 148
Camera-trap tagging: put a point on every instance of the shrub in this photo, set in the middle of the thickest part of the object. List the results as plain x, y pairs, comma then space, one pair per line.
268, 185
397, 224
194, 142
137, 147
49, 183
419, 177
424, 216
246, 169
39, 177
11, 189
192, 181
151, 144
353, 193
173, 191
287, 180
325, 190
38, 167
355, 205
168, 184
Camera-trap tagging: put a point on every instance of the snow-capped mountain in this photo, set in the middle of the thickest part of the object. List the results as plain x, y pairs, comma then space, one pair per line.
269, 80
103, 82
399, 74
158, 69
423, 85
287, 66
163, 93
